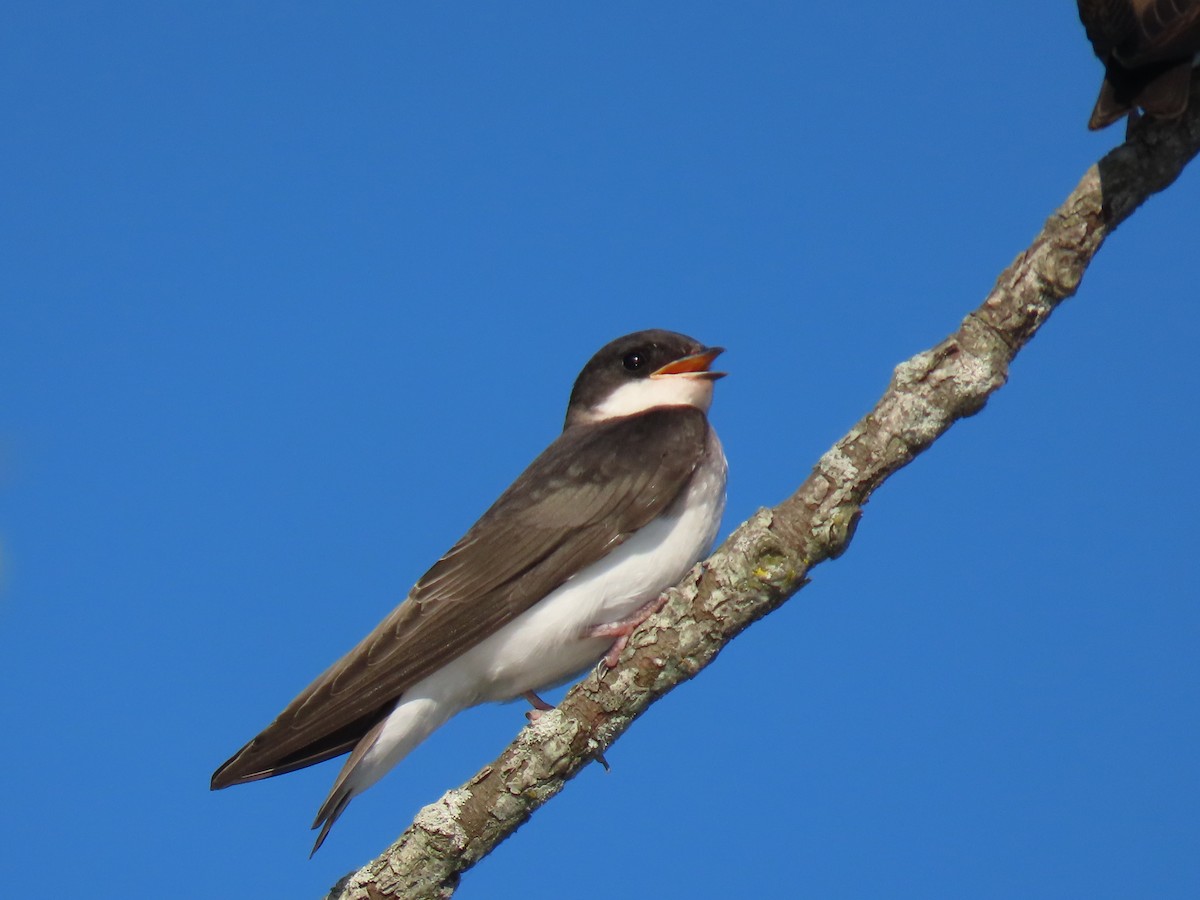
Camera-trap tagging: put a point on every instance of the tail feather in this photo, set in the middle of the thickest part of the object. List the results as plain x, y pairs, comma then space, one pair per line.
411, 721
343, 790
330, 817
1161, 90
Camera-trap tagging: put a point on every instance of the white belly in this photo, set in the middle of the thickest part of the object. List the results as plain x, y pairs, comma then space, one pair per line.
546, 645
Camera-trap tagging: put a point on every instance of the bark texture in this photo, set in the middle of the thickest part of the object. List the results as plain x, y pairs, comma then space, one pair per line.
767, 559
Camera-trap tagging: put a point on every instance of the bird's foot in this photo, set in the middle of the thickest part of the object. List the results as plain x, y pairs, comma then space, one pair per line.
604, 762
539, 706
621, 631
1132, 121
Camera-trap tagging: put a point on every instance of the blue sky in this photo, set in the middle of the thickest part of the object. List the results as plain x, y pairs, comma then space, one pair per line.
291, 292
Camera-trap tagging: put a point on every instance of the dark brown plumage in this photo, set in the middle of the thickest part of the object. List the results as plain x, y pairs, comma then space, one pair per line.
1147, 47
554, 520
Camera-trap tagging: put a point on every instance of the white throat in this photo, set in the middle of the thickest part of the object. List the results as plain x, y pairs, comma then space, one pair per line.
633, 397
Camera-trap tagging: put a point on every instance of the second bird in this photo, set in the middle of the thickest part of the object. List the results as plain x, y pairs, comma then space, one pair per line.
1147, 47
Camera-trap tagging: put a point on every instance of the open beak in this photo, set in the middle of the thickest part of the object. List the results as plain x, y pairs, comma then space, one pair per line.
695, 366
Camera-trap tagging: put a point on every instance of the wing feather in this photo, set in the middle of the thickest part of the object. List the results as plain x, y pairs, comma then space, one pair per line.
590, 489
1141, 32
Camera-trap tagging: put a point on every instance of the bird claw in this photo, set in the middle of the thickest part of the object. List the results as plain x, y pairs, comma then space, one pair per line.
621, 631
539, 705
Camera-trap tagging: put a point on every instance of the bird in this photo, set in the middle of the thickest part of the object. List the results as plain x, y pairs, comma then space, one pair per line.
547, 584
1148, 48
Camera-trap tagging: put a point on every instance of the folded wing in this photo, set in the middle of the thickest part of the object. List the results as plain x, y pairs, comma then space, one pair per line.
590, 489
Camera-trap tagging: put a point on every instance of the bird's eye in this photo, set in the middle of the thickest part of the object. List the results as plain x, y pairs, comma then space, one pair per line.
633, 362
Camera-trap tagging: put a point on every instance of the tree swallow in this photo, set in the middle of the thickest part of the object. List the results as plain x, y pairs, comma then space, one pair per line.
552, 578
1147, 47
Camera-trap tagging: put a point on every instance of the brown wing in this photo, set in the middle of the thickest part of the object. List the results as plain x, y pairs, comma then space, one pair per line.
1142, 32
1164, 31
592, 488
1108, 23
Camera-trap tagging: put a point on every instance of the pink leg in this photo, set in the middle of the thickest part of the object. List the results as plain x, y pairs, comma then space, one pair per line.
623, 629
537, 702
539, 706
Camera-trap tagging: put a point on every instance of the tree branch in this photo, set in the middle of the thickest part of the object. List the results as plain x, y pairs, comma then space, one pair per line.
767, 559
